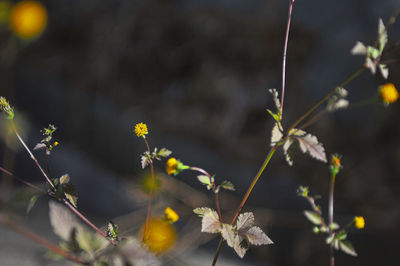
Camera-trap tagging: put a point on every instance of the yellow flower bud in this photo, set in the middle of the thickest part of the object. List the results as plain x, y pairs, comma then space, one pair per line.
172, 166
389, 93
170, 215
359, 222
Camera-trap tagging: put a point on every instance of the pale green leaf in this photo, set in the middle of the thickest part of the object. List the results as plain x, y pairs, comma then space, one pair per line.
313, 217
227, 185
347, 248
202, 211
32, 202
382, 34
370, 65
359, 49
205, 180
210, 223
64, 179
71, 194
274, 116
164, 152
384, 70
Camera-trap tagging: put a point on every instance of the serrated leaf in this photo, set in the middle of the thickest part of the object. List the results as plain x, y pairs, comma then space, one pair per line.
297, 132
145, 160
62, 220
210, 223
257, 237
359, 49
202, 211
32, 202
276, 134
227, 185
245, 221
228, 234
309, 144
288, 149
347, 248
382, 34
313, 217
205, 180
164, 152
274, 94
384, 71
239, 248
71, 194
64, 179
370, 65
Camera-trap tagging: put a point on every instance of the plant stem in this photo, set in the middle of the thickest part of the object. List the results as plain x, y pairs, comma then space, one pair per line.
41, 241
150, 193
331, 199
246, 196
54, 188
291, 2
22, 181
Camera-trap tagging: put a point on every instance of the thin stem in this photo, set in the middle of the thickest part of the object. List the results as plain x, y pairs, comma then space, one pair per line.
47, 163
312, 109
41, 241
54, 188
291, 2
150, 193
22, 181
218, 207
214, 262
331, 200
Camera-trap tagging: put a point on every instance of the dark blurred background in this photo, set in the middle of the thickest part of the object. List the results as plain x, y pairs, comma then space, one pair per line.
197, 72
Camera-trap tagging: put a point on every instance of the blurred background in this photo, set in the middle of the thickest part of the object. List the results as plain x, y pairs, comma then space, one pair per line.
197, 73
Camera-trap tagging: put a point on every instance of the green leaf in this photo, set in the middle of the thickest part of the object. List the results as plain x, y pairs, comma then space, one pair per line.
303, 191
333, 226
373, 52
370, 65
71, 194
205, 180
384, 71
164, 152
64, 179
227, 185
112, 231
274, 116
202, 211
329, 239
313, 217
32, 202
341, 235
359, 49
228, 234
347, 248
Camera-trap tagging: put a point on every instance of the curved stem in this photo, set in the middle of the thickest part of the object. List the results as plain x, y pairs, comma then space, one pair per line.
150, 194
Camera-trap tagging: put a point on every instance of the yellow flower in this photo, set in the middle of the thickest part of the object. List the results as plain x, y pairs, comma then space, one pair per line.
160, 236
389, 93
55, 143
172, 166
141, 130
28, 19
170, 215
336, 161
359, 222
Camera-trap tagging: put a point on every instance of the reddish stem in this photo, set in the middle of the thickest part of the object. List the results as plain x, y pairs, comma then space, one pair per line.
150, 194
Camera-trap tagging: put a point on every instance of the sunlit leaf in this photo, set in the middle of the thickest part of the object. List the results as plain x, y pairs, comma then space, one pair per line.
274, 94
359, 49
164, 152
309, 144
202, 211
239, 247
276, 134
210, 223
32, 202
384, 70
347, 248
71, 194
205, 180
288, 149
227, 185
245, 221
257, 237
39, 146
62, 220
228, 234
145, 160
313, 217
370, 65
64, 179
382, 34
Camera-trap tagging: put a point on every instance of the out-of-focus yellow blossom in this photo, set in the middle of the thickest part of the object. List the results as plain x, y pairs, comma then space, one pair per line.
141, 129
170, 215
336, 161
389, 93
147, 184
56, 143
172, 166
359, 222
28, 19
160, 236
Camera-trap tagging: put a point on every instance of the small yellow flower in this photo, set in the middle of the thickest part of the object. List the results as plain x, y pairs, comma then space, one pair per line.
172, 166
359, 222
55, 143
389, 93
170, 215
336, 161
141, 130
160, 236
28, 19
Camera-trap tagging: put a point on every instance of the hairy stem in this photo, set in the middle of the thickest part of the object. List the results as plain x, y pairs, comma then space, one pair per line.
331, 199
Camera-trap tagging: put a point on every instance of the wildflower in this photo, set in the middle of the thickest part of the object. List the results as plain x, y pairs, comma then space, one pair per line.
172, 166
388, 93
160, 236
359, 222
336, 164
141, 130
170, 215
28, 19
55, 143
5, 107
